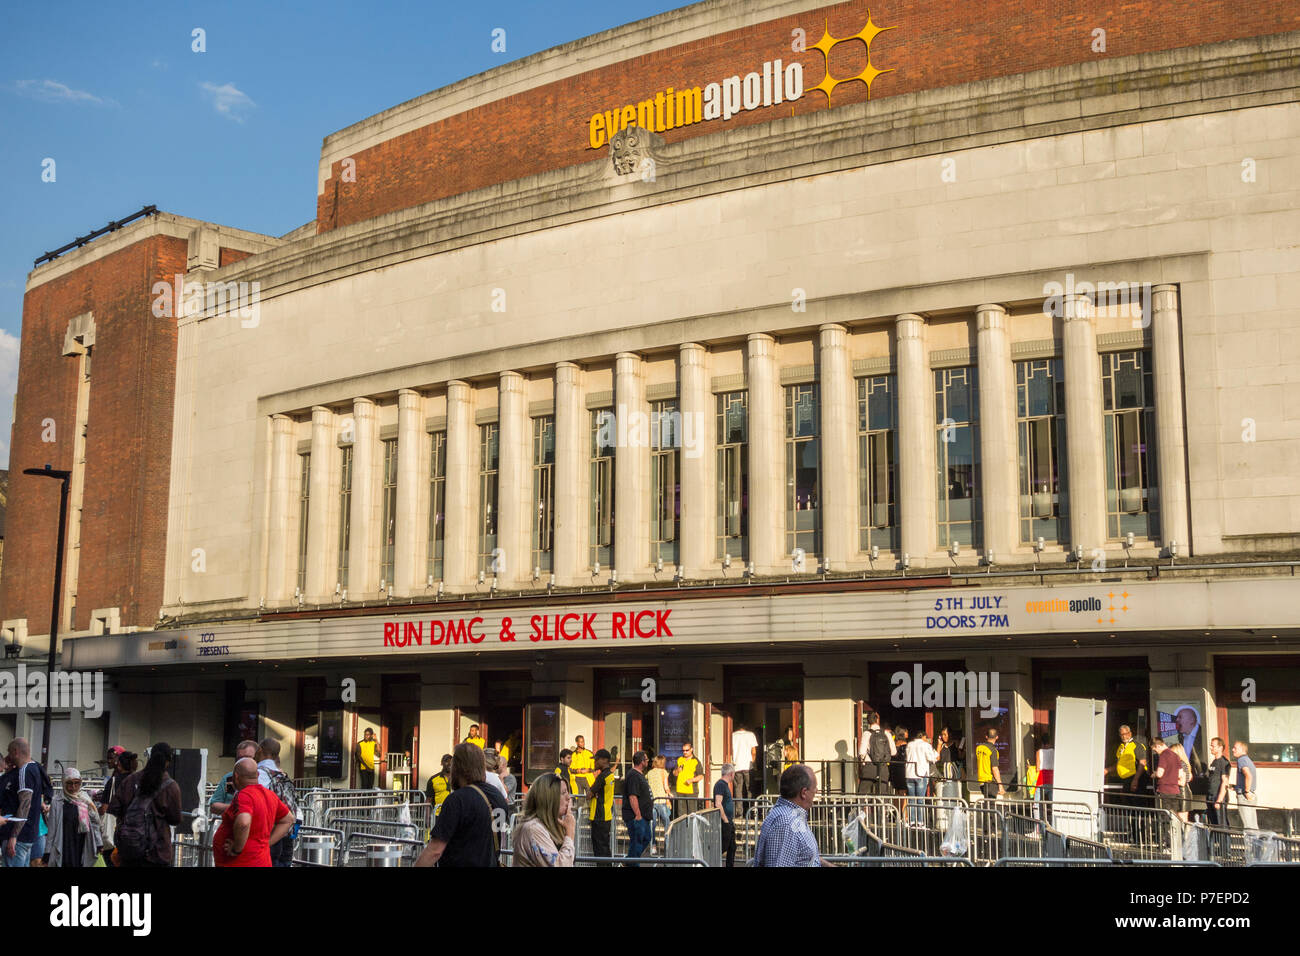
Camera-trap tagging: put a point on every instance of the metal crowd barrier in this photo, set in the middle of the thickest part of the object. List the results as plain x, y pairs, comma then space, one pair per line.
696, 835
378, 850
318, 846
1139, 833
900, 859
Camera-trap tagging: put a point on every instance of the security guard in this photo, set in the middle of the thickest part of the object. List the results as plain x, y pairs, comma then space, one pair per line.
583, 766
688, 771
365, 757
565, 770
1130, 765
475, 737
439, 785
986, 767
600, 809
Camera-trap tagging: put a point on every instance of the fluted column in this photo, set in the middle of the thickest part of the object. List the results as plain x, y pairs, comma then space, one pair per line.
998, 448
699, 518
513, 486
281, 553
321, 545
571, 479
916, 437
1171, 435
462, 490
407, 572
1083, 412
839, 457
631, 466
766, 456
363, 571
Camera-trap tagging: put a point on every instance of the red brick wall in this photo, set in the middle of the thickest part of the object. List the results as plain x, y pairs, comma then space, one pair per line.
935, 45
128, 446
227, 256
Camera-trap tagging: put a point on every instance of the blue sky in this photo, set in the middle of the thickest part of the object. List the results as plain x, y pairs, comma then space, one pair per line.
132, 115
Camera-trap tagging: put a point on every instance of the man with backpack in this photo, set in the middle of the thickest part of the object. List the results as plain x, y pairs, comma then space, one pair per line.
277, 781
875, 752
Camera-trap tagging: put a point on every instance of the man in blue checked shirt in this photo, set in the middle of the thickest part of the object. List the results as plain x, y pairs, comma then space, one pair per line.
786, 839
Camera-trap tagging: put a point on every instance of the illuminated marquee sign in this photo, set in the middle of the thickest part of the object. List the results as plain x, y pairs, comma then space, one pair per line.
775, 83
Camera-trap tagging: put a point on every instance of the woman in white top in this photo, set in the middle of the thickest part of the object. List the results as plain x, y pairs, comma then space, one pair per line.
1045, 761
546, 835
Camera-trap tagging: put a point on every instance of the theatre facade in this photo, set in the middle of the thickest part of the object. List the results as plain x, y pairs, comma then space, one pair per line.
716, 369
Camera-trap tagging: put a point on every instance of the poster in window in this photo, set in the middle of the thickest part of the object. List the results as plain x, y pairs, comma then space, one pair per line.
246, 727
675, 729
1179, 721
329, 749
543, 734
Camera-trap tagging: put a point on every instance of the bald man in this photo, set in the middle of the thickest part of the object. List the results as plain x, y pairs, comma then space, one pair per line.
255, 819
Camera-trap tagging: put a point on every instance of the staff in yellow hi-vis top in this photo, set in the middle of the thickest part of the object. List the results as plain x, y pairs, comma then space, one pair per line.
583, 768
364, 755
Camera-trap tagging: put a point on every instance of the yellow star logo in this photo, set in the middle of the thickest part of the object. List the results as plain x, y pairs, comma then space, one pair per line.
828, 43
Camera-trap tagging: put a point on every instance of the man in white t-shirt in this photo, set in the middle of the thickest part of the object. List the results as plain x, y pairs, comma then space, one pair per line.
921, 758
743, 745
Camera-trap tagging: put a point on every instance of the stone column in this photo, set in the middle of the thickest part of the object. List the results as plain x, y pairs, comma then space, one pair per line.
1171, 468
699, 518
916, 437
462, 492
407, 574
363, 570
631, 466
513, 480
839, 456
281, 553
999, 473
766, 456
571, 479
322, 547
1086, 459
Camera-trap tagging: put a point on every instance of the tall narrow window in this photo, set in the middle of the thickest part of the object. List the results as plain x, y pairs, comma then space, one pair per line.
956, 410
733, 474
603, 437
1127, 394
802, 461
1040, 436
665, 480
877, 454
304, 506
437, 505
489, 461
543, 492
388, 546
345, 515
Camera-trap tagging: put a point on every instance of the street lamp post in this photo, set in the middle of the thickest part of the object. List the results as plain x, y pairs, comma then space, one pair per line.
64, 477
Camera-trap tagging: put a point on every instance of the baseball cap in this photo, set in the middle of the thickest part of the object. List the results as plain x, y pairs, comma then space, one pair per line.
117, 750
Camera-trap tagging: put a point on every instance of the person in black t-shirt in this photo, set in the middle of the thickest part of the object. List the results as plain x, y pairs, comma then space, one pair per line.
1216, 798
637, 804
472, 818
724, 800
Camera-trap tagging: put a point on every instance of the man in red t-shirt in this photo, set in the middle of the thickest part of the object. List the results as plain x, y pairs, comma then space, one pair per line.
255, 819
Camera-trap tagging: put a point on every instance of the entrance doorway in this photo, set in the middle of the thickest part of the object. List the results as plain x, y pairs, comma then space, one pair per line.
766, 700
399, 737
501, 716
624, 722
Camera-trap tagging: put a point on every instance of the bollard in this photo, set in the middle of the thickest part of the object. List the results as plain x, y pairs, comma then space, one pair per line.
384, 854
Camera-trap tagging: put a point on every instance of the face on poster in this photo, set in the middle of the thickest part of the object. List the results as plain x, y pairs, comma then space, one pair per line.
1175, 717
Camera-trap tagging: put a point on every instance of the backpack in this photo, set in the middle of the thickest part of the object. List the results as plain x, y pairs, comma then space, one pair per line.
282, 787
878, 748
138, 835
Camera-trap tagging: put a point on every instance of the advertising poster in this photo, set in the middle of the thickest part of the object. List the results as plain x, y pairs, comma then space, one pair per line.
674, 730
329, 749
1179, 721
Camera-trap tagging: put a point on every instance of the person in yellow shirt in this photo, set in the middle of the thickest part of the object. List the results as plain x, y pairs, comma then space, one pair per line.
583, 767
475, 737
600, 809
986, 766
688, 772
365, 758
439, 785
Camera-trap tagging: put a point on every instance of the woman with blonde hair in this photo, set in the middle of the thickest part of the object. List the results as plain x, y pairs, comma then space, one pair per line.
657, 777
76, 832
546, 835
1184, 781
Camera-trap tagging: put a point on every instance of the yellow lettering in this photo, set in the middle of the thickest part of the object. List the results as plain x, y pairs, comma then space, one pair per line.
645, 114
597, 131
690, 106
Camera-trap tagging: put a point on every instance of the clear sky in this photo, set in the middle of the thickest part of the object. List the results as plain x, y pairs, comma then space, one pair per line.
115, 94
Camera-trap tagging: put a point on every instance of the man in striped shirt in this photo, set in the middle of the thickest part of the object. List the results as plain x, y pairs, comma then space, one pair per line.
786, 839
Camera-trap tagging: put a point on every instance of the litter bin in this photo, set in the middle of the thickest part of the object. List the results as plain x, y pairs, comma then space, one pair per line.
384, 854
316, 849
